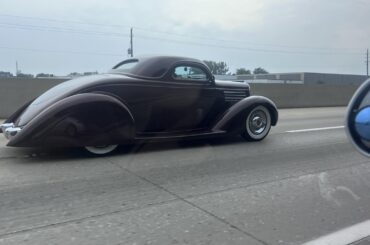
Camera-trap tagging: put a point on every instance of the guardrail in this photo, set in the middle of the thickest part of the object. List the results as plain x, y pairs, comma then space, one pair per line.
14, 92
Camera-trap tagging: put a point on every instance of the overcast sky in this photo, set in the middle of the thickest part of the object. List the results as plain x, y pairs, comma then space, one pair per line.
279, 35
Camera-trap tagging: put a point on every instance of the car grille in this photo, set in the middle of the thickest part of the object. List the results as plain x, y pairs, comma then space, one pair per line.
234, 95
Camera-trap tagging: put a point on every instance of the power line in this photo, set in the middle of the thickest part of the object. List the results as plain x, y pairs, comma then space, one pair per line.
59, 51
247, 48
63, 21
367, 62
116, 34
131, 44
169, 33
57, 29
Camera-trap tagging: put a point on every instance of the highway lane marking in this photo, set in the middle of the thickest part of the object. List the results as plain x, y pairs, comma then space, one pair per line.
345, 236
313, 129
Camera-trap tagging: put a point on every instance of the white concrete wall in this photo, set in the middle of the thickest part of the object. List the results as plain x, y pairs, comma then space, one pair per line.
303, 95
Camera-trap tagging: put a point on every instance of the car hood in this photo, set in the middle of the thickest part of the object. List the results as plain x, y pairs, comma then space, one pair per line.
232, 84
62, 91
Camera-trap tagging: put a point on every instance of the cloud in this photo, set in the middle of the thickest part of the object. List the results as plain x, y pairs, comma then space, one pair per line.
222, 14
292, 25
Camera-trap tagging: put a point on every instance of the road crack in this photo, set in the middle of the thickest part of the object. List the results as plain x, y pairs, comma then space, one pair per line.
191, 204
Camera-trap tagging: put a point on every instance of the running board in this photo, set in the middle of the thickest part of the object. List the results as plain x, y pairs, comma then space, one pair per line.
180, 137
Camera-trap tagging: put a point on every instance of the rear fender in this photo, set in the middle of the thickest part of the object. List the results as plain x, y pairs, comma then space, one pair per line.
232, 119
79, 120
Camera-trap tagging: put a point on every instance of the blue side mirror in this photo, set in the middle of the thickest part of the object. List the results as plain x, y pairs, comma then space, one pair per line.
362, 123
358, 119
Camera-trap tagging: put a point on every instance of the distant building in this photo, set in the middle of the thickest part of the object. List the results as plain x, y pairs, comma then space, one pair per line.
77, 74
5, 74
304, 78
74, 74
40, 75
90, 73
23, 75
226, 77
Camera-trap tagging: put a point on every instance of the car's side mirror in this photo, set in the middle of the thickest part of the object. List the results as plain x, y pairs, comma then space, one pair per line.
358, 119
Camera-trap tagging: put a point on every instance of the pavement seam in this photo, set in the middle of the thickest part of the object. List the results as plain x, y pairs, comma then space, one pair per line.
7, 158
282, 179
29, 156
193, 205
177, 198
43, 227
5, 235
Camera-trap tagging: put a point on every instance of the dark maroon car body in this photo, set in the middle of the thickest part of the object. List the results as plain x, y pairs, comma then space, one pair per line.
145, 102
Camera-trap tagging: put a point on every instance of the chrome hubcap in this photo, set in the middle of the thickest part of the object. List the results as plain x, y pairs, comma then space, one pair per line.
257, 122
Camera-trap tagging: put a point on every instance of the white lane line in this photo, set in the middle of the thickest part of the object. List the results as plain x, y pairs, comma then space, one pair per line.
313, 129
345, 236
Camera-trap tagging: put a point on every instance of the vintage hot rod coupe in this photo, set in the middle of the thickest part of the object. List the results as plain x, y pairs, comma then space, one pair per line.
146, 98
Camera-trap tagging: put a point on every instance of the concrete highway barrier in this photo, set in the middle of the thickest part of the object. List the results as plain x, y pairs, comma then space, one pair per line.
304, 95
14, 92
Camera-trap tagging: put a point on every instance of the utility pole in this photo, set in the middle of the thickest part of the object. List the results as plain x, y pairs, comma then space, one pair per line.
367, 62
16, 69
130, 51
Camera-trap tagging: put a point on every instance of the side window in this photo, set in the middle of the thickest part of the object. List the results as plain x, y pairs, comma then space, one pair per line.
190, 73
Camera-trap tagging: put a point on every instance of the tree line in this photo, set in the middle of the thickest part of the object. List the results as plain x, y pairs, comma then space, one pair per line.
221, 68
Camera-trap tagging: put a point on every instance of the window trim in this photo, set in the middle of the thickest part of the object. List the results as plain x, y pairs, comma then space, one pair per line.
208, 79
189, 79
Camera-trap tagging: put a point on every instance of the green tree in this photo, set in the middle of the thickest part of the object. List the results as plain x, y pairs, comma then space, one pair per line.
25, 75
217, 68
242, 71
260, 70
44, 75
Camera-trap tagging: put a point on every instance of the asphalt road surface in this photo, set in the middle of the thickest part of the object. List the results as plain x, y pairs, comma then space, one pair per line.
303, 181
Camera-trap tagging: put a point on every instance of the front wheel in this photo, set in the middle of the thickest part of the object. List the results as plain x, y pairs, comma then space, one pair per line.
257, 124
100, 150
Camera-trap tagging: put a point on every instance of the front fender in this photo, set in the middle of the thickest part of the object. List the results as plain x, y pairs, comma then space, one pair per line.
79, 120
232, 119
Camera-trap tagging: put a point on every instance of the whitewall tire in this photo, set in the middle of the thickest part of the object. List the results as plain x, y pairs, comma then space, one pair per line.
101, 150
257, 124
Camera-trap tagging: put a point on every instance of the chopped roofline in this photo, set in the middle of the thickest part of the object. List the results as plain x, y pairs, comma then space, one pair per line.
154, 66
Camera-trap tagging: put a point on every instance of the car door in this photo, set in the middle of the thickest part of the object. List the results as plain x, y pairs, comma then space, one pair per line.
193, 101
184, 100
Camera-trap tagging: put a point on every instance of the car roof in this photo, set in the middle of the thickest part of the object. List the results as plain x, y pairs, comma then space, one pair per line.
154, 66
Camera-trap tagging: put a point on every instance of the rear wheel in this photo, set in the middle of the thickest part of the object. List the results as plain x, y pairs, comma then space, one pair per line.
100, 150
257, 124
